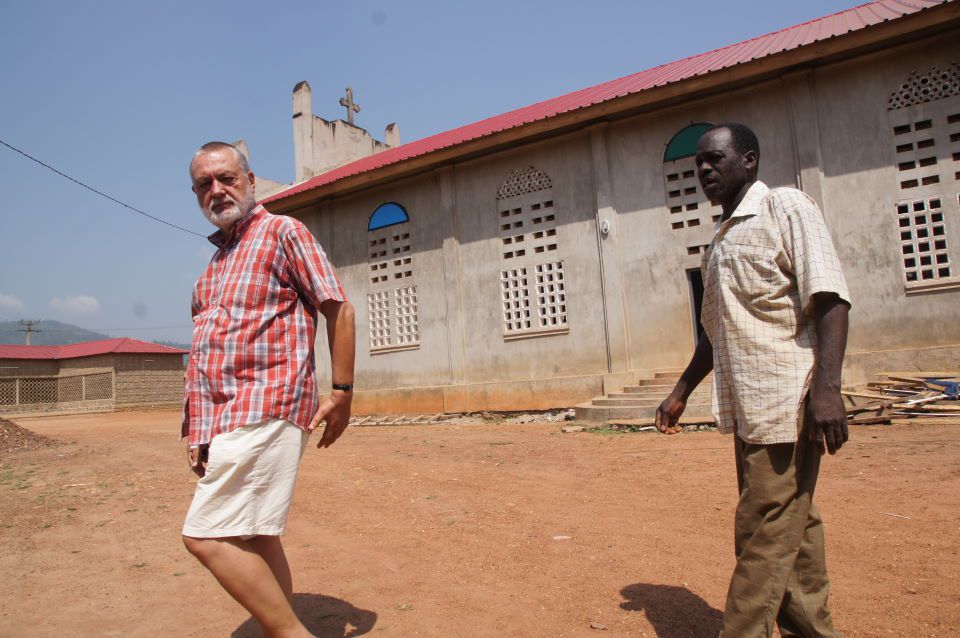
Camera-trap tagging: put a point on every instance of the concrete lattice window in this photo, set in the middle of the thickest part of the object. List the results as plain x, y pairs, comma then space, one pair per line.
923, 240
529, 243
936, 84
688, 208
528, 229
522, 181
551, 295
405, 302
378, 309
925, 135
18, 392
393, 311
515, 292
38, 390
8, 391
98, 386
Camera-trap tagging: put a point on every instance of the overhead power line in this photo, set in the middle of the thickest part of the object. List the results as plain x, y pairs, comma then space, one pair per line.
102, 194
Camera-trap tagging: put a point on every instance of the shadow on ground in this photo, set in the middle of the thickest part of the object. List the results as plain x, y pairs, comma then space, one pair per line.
323, 616
674, 612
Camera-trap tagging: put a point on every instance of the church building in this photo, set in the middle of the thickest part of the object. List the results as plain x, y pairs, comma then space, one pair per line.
550, 255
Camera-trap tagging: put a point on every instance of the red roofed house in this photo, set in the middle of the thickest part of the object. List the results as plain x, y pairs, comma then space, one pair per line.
550, 255
107, 374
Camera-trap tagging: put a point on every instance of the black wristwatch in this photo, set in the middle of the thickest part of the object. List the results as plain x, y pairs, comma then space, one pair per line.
343, 387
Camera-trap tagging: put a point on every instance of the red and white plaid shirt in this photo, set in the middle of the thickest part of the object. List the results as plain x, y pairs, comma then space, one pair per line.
254, 325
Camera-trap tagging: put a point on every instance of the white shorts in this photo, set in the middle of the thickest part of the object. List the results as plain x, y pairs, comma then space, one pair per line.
249, 482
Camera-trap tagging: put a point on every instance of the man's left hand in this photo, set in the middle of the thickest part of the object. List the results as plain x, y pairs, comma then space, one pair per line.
827, 419
336, 412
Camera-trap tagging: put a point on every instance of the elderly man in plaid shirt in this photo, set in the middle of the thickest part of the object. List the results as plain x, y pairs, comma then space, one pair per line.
251, 398
774, 316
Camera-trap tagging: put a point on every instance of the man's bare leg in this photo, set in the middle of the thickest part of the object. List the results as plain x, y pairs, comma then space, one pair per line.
271, 550
246, 576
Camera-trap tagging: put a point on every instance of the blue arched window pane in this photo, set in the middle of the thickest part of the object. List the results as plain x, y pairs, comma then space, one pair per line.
388, 214
684, 143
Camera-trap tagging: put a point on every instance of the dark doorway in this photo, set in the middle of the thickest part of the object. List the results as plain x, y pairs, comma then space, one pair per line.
696, 300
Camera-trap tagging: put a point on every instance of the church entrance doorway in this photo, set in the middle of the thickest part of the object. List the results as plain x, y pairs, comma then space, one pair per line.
695, 280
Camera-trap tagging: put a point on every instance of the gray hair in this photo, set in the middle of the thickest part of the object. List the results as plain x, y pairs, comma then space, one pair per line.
219, 146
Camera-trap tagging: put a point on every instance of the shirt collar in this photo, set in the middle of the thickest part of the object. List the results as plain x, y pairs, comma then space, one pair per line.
750, 204
221, 239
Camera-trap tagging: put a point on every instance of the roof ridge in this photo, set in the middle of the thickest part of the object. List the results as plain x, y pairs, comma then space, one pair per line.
110, 345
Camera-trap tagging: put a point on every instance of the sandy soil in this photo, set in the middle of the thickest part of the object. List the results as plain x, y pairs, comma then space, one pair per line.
468, 530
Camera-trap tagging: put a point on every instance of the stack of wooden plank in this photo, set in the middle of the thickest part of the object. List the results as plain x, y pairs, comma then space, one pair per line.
399, 419
903, 397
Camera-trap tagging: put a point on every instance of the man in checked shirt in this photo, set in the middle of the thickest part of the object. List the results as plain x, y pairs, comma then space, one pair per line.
251, 397
775, 328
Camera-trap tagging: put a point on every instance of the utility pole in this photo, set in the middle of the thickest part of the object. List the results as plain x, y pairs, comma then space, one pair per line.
29, 327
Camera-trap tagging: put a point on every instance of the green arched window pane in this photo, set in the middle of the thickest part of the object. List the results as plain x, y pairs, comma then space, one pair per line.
684, 143
389, 214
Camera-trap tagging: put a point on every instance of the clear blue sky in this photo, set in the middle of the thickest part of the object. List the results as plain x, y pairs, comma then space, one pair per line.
119, 94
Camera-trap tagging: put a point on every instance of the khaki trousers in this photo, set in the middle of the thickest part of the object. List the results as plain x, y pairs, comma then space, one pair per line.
781, 572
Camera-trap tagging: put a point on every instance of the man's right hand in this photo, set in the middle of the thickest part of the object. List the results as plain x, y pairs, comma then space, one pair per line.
197, 457
336, 412
669, 412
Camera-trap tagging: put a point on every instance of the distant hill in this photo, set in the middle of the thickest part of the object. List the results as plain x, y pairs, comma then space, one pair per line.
51, 333
55, 333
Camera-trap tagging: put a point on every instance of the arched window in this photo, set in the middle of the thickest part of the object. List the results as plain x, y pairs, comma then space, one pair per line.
532, 287
389, 214
393, 309
690, 211
924, 113
684, 142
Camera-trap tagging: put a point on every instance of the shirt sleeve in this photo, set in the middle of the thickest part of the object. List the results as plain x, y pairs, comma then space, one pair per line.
308, 267
808, 246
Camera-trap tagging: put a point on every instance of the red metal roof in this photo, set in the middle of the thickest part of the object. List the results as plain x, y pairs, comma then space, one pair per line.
122, 345
786, 39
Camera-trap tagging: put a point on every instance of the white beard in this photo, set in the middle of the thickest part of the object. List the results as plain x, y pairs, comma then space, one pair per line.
227, 217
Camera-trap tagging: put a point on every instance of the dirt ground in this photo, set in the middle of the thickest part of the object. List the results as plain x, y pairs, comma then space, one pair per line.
468, 530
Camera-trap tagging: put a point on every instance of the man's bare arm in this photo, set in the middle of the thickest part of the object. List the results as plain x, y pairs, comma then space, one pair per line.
825, 409
341, 337
670, 411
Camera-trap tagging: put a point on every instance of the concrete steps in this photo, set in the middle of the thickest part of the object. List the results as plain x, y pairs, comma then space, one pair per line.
634, 392
640, 401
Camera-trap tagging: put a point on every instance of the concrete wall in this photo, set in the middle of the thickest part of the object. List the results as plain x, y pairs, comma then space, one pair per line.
139, 380
321, 145
861, 191
653, 256
28, 368
826, 130
265, 187
342, 229
453, 225
487, 355
149, 379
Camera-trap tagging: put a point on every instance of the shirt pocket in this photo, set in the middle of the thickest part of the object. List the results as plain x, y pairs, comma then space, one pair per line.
248, 292
750, 271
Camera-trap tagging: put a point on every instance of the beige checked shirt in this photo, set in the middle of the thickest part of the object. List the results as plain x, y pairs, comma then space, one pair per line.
760, 273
